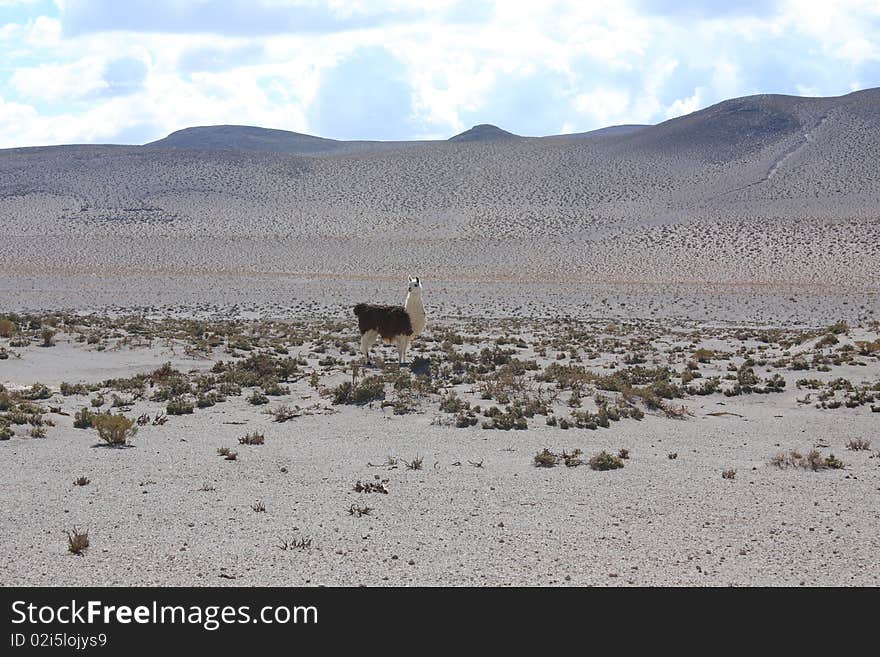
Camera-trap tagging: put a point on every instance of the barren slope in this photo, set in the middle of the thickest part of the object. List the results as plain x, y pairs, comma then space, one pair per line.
762, 209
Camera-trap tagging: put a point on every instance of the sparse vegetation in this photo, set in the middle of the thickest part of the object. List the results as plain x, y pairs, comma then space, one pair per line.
812, 461
179, 406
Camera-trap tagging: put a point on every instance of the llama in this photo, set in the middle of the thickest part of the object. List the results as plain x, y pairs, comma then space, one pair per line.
394, 324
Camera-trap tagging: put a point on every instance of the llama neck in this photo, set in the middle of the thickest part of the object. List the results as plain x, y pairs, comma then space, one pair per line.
416, 311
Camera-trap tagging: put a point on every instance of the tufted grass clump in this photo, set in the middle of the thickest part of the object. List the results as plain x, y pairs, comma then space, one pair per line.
255, 438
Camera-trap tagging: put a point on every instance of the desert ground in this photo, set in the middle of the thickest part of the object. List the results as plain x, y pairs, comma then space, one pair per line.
509, 452
652, 356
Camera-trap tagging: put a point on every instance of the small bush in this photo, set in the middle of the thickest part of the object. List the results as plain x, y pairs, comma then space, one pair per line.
572, 459
69, 389
372, 388
115, 430
37, 391
254, 438
47, 335
284, 413
206, 401
812, 461
728, 474
77, 541
82, 481
704, 355
275, 389
452, 403
605, 461
83, 419
258, 398
858, 444
179, 407
545, 459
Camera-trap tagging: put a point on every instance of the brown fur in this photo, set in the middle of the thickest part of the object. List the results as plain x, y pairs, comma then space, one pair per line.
388, 321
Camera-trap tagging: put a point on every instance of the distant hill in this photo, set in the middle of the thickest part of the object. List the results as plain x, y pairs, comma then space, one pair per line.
246, 138
609, 131
484, 132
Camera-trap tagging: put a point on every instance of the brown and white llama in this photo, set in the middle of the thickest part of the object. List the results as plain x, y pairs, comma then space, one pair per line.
398, 325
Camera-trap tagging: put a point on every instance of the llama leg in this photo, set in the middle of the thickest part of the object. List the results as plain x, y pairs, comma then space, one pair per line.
367, 340
402, 347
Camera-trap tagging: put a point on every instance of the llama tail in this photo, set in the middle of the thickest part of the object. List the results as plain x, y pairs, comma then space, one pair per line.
358, 309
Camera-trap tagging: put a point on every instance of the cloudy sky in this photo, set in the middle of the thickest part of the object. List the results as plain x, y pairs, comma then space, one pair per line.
130, 71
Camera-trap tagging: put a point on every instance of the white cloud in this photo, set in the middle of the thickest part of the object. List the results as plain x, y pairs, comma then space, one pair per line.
686, 105
60, 82
539, 68
602, 105
44, 32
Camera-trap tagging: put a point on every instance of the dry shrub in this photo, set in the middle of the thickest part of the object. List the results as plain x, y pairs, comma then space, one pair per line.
546, 459
605, 461
572, 459
77, 541
812, 461
115, 430
48, 337
254, 438
858, 444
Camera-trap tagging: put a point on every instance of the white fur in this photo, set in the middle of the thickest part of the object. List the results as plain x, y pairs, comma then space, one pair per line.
368, 339
415, 308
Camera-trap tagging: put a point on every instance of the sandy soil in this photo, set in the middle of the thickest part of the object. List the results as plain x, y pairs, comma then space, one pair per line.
749, 229
168, 510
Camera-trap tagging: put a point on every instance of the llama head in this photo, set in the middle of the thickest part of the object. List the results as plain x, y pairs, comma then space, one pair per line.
415, 286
